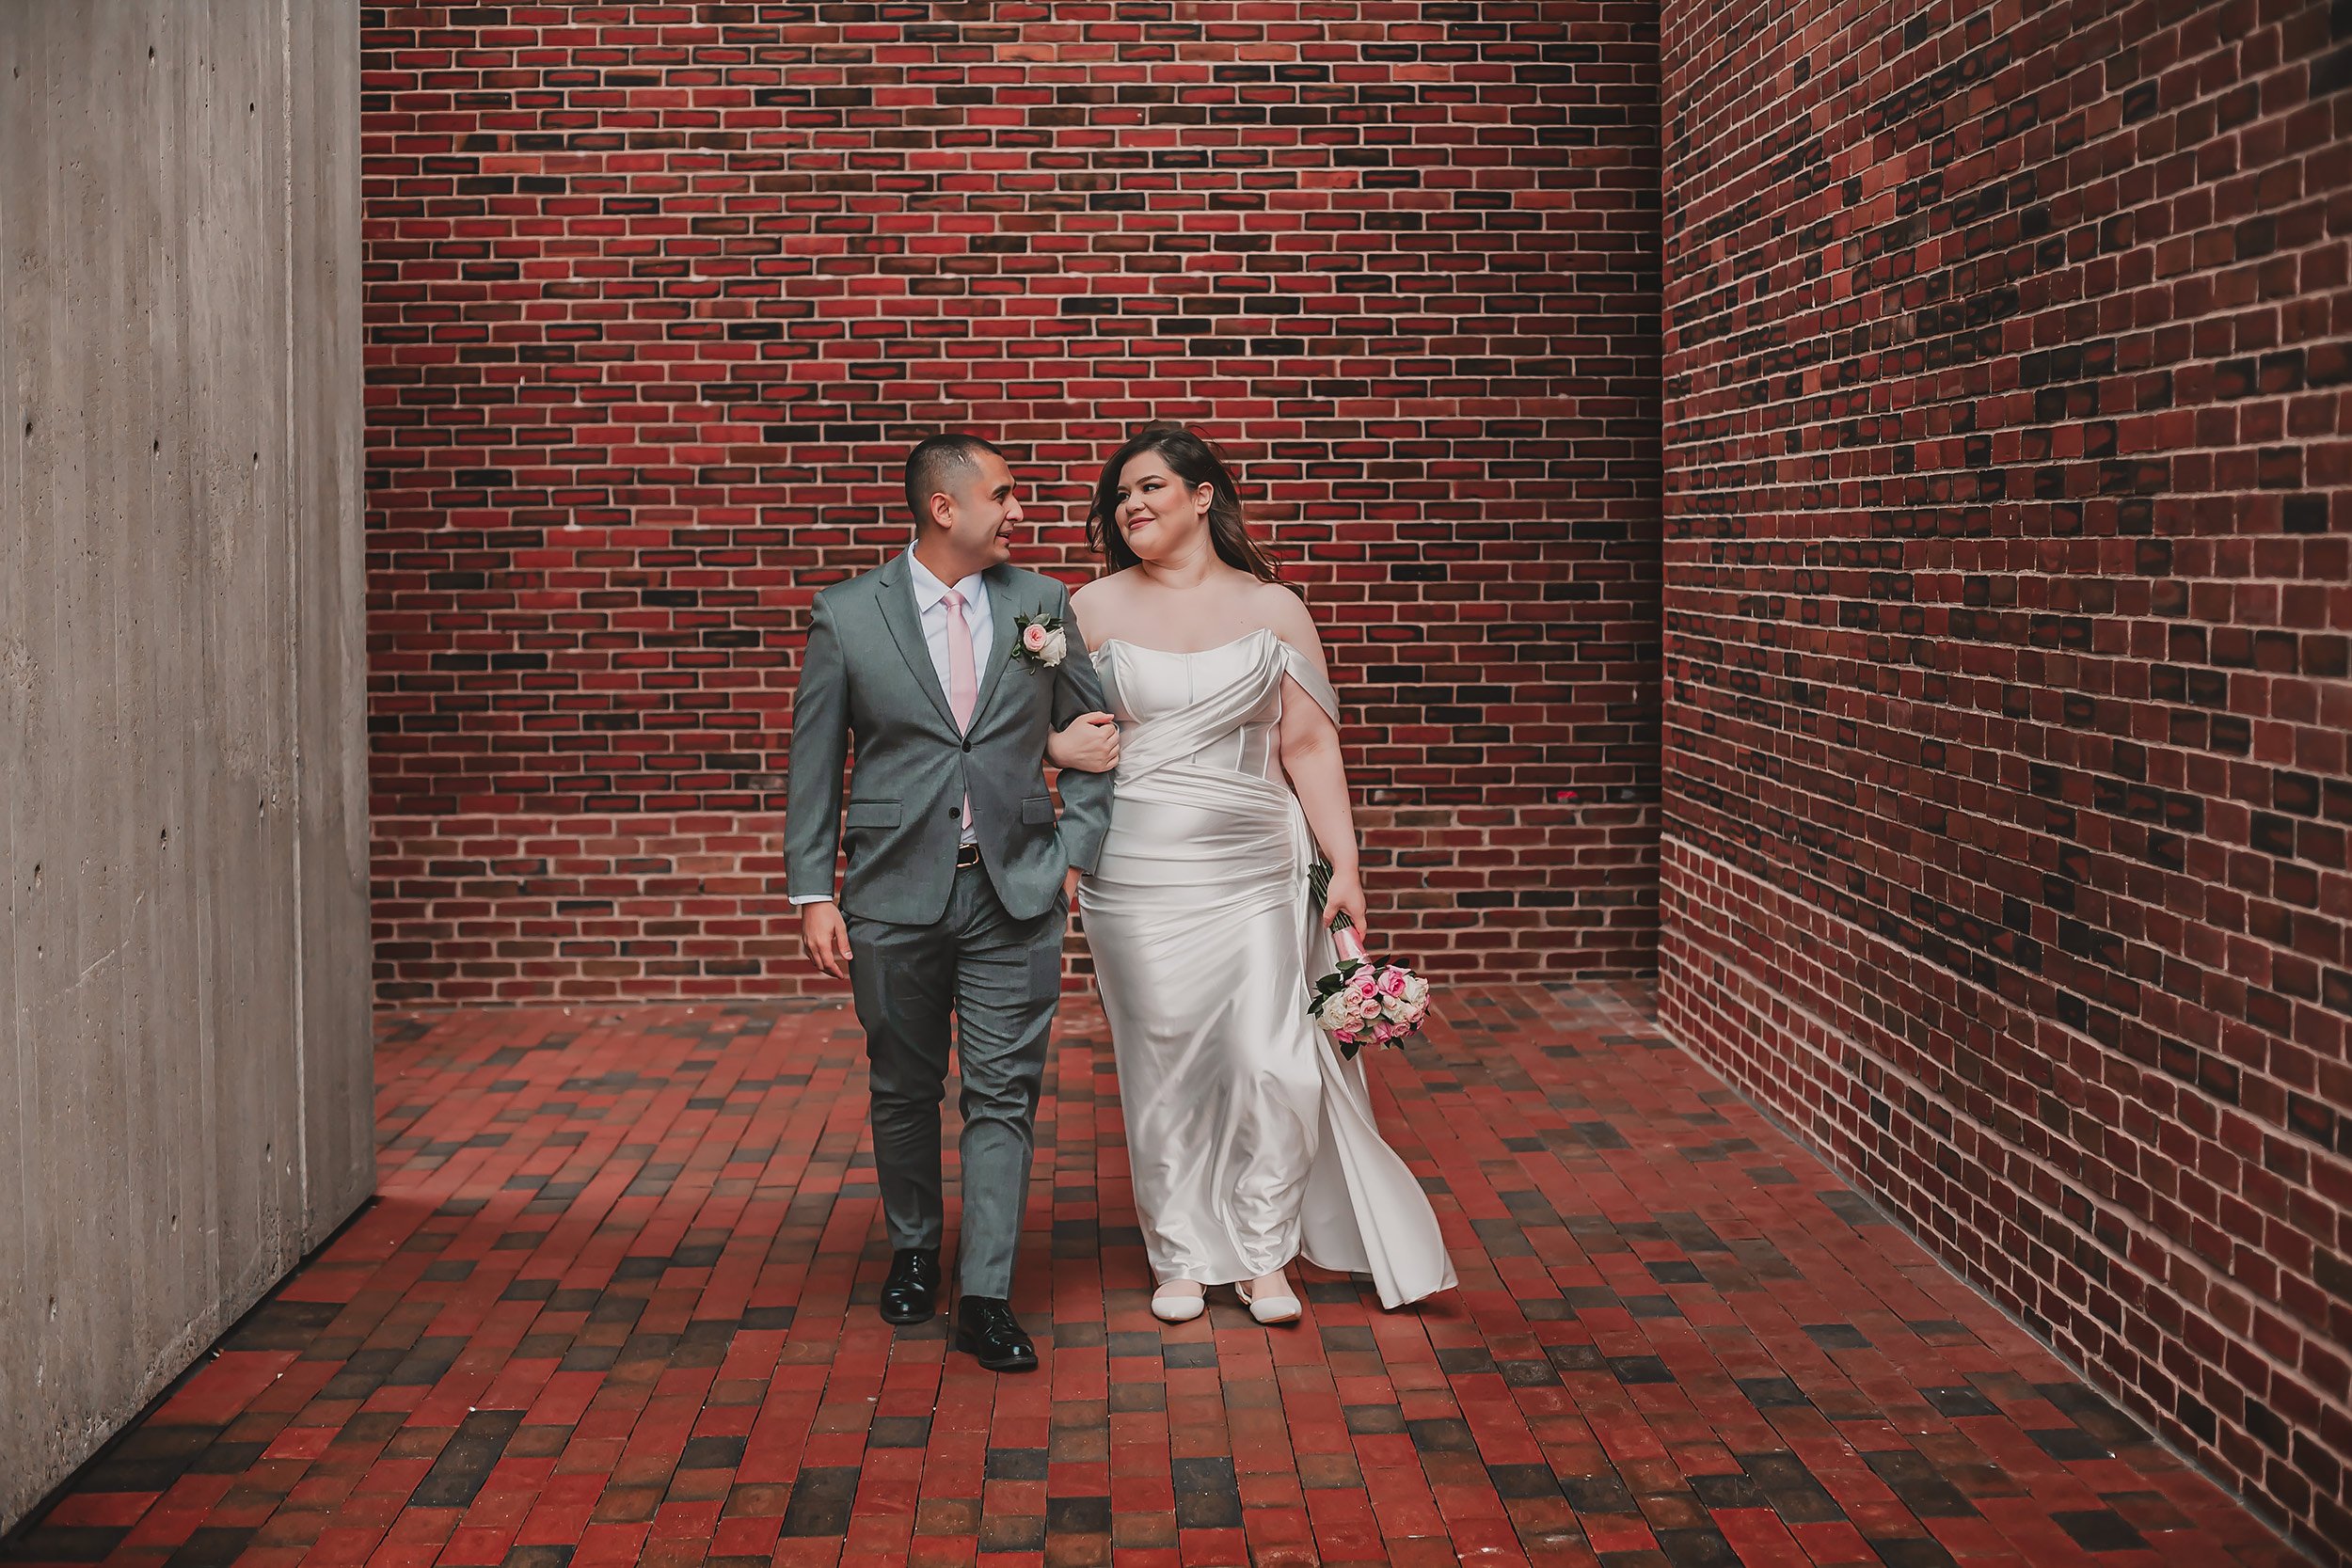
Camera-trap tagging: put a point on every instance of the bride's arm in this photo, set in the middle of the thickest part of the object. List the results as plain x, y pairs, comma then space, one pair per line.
1310, 756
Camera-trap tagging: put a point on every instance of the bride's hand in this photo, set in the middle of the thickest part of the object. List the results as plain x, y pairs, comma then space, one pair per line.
1089, 744
1345, 895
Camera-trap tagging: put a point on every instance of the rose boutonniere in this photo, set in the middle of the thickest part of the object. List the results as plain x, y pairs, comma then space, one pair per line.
1044, 642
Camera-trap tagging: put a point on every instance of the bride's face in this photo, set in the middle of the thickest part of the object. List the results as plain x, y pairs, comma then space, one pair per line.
1160, 516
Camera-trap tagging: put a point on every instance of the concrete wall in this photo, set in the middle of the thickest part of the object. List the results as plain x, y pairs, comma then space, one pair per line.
184, 1052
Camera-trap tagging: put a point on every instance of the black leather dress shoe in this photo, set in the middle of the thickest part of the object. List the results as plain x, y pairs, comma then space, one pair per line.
911, 1294
986, 1327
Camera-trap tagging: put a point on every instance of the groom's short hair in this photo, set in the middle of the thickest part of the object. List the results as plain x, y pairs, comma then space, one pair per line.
938, 464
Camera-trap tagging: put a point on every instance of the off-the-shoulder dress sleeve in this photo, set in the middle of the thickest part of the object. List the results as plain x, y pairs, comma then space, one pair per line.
1302, 670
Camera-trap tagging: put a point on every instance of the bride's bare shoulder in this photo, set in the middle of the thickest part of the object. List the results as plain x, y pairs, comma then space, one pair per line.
1283, 612
1101, 595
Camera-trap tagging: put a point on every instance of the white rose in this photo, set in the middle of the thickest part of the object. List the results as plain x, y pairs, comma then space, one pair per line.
1416, 990
1057, 647
1333, 1014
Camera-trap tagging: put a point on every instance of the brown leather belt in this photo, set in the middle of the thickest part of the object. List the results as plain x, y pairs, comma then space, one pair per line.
967, 855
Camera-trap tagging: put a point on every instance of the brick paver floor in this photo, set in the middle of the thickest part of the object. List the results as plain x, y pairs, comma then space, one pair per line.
614, 1305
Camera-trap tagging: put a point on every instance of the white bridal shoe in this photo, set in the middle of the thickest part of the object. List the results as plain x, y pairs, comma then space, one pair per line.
1179, 1301
1270, 1309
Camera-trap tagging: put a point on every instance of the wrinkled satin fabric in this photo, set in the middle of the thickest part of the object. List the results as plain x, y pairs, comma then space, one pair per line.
1250, 1140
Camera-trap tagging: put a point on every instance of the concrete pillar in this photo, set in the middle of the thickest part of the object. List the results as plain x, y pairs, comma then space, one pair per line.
184, 1049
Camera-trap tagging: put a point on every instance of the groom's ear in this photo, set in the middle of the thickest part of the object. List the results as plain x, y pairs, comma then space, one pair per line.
939, 511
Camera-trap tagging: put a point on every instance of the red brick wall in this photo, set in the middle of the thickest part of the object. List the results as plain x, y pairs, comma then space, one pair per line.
2005, 603
659, 295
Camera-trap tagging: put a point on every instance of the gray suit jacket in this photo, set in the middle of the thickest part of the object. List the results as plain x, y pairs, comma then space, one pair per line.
867, 675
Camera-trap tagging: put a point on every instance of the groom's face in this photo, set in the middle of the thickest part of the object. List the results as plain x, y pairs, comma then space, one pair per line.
982, 514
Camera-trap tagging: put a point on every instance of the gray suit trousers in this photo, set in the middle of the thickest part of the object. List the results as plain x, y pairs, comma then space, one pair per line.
1001, 979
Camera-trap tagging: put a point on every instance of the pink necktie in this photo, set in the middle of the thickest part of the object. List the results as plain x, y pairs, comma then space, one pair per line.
963, 684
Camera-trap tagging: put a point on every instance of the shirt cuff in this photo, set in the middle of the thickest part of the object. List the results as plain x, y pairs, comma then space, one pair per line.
800, 898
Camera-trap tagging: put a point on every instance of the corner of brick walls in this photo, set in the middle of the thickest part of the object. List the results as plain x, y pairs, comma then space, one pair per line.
2006, 609
658, 297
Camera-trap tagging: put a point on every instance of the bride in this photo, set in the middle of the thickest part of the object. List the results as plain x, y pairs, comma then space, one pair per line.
1250, 1140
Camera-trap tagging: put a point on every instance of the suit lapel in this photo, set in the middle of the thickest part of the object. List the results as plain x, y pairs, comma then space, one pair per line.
1001, 609
895, 587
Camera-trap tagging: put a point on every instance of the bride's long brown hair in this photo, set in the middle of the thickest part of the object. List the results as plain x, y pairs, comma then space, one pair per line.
1197, 463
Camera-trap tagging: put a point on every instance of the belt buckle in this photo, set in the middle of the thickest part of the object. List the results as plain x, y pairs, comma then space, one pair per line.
967, 855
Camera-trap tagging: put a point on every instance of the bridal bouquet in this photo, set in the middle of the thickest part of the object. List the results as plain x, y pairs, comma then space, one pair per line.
1363, 1001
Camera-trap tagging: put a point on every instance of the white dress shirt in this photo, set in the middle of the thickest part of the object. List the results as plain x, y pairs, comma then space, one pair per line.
930, 605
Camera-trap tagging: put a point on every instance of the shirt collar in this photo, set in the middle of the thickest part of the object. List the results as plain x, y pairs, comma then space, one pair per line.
929, 590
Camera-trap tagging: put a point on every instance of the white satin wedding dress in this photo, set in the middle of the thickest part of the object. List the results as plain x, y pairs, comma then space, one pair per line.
1250, 1140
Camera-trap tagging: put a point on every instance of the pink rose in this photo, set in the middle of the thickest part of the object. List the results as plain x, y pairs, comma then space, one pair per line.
1391, 982
1033, 638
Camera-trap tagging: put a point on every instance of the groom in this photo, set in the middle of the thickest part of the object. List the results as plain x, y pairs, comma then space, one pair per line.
959, 877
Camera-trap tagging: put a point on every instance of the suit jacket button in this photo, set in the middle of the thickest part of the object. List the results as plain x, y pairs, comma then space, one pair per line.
967, 745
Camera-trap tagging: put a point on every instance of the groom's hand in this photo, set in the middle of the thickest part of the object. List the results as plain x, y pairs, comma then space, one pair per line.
825, 939
1070, 884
